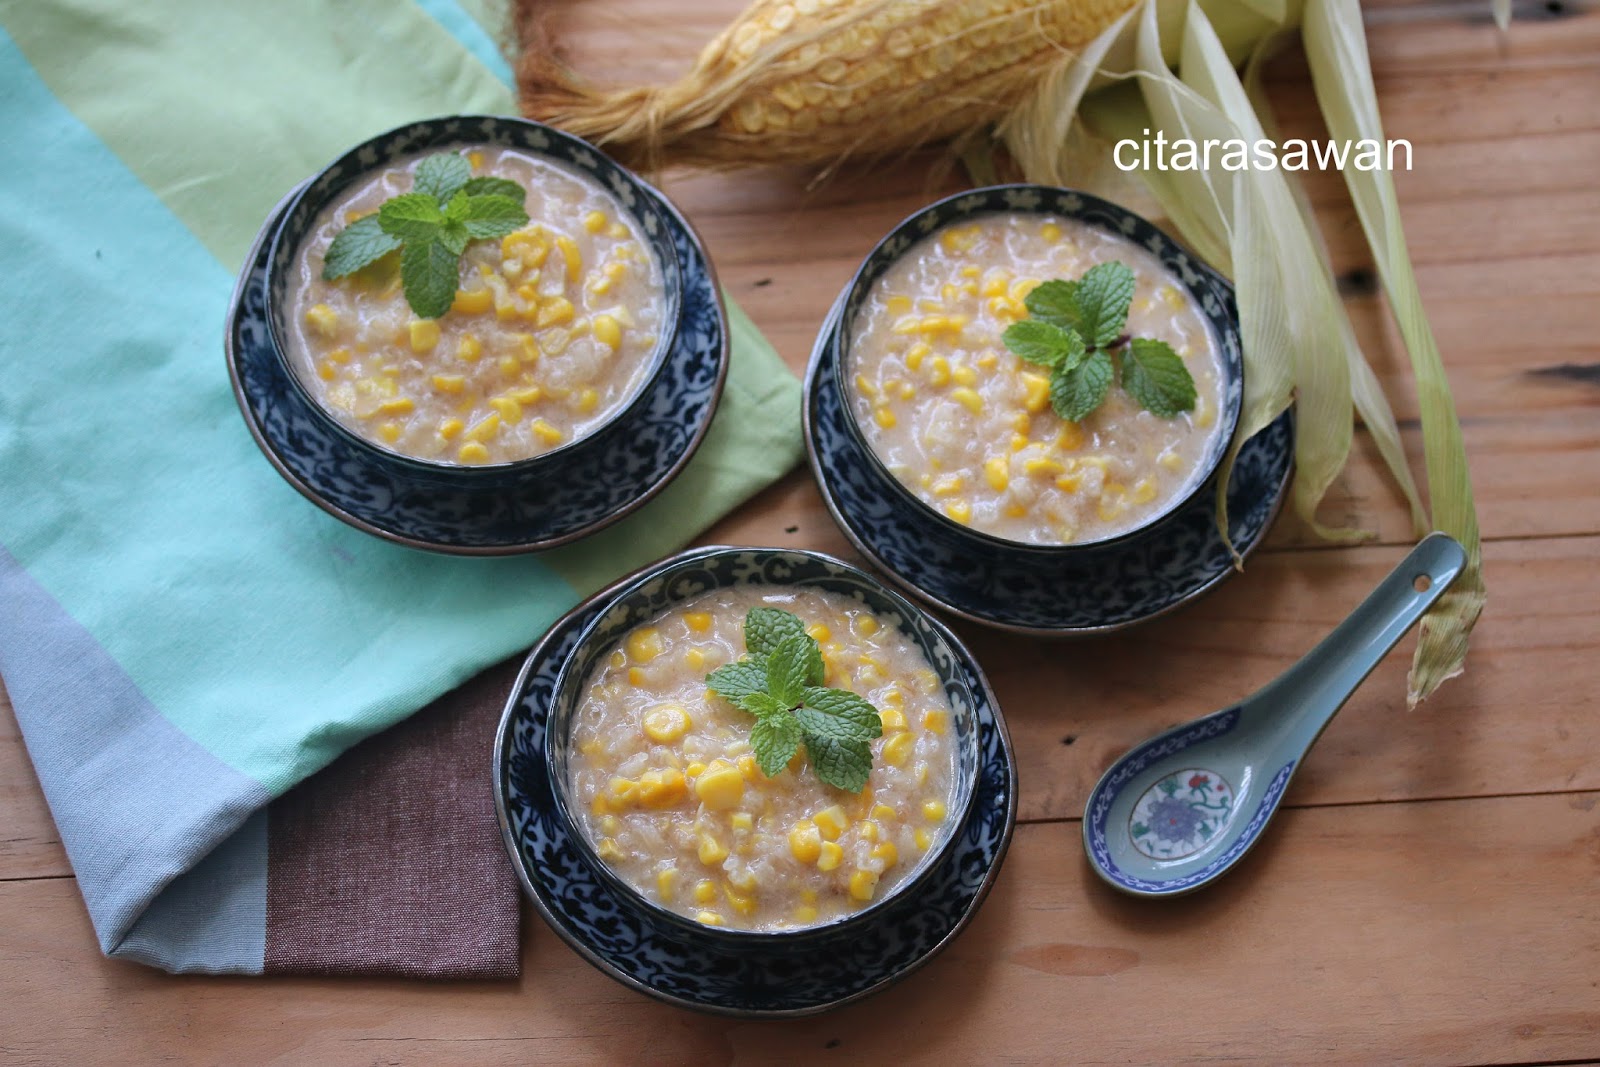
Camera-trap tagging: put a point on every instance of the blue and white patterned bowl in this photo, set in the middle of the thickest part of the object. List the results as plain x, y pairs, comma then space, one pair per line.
661, 588
561, 149
1097, 590
1211, 292
630, 944
573, 501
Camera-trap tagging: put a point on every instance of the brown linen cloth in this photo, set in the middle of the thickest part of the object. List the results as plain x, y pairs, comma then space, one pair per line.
389, 860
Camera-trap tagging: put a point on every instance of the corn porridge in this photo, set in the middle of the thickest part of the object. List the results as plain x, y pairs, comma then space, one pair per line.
553, 328
968, 426
667, 789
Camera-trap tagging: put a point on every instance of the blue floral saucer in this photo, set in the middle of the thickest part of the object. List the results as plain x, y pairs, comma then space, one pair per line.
583, 496
642, 952
1097, 590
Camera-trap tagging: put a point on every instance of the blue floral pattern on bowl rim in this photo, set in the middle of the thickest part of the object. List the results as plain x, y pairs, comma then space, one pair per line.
631, 946
1211, 292
1096, 590
556, 147
669, 584
579, 498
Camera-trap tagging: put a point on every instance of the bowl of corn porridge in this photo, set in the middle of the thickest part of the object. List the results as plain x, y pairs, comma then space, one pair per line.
979, 324
471, 300
664, 773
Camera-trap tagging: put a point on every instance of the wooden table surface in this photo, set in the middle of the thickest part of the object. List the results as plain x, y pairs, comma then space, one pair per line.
1430, 892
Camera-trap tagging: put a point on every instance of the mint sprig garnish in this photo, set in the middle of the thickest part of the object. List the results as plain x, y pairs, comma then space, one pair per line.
780, 683
446, 210
1074, 327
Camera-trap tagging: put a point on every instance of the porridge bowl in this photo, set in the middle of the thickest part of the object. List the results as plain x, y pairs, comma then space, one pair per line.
675, 791
473, 300
973, 331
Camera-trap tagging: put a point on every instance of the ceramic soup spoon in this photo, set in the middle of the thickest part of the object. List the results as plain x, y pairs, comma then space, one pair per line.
1180, 809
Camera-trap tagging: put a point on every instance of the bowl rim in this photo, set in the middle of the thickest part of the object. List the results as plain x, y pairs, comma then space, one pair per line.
733, 937
1228, 421
278, 256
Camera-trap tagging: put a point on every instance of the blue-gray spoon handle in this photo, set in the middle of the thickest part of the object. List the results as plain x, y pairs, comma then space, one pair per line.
1308, 694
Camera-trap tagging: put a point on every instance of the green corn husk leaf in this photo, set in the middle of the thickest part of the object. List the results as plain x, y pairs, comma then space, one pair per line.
1336, 47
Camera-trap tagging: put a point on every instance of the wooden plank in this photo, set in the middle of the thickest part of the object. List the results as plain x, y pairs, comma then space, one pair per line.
1450, 932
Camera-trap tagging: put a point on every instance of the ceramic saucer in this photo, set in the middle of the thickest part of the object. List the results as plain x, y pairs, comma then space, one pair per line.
625, 942
581, 498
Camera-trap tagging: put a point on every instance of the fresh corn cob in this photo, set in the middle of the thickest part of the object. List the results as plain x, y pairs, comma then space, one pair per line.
806, 81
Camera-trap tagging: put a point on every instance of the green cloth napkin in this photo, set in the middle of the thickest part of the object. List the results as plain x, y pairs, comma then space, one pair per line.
185, 637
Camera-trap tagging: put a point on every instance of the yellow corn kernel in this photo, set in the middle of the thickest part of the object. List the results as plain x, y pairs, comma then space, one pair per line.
1069, 483
897, 748
666, 723
555, 312
450, 427
708, 918
939, 371
595, 221
449, 383
819, 632
424, 335
922, 838
607, 331
933, 810
959, 238
994, 282
705, 891
1171, 460
546, 433
894, 696
323, 319
610, 825
962, 374
608, 850
667, 882
805, 914
1111, 505
948, 484
968, 399
743, 903
743, 820
695, 659
473, 301
935, 720
893, 719
884, 417
570, 253
865, 386
865, 625
1144, 491
721, 787
472, 452
829, 856
1050, 232
1015, 511
326, 371
509, 366
599, 805
509, 409
400, 405
340, 355
887, 852
919, 774
711, 851
959, 510
1036, 392
748, 766
695, 769
997, 472
617, 230
390, 432
868, 830
863, 884
917, 353
635, 677
475, 160
484, 429
898, 305
831, 822
1204, 413
645, 644
662, 788
1037, 465
469, 348
622, 790
805, 841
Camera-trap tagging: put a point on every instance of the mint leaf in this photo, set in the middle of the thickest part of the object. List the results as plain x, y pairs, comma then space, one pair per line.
1075, 393
764, 628
789, 667
411, 217
775, 739
734, 681
1056, 302
430, 273
361, 243
852, 713
762, 704
1103, 297
454, 236
441, 176
1154, 375
495, 187
840, 761
489, 216
1041, 342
